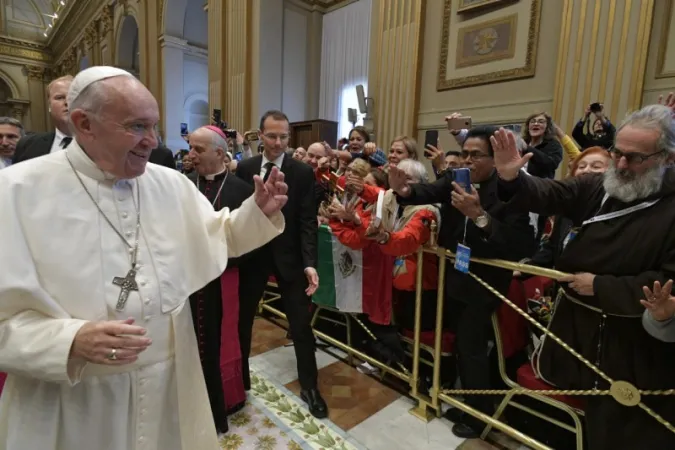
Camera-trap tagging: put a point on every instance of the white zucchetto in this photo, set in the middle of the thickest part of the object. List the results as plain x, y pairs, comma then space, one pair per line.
90, 76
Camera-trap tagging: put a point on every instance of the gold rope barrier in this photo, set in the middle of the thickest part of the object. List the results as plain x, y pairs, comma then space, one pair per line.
623, 392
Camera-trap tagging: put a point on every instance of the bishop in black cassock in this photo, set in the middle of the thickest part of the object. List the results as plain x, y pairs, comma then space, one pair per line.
621, 244
215, 308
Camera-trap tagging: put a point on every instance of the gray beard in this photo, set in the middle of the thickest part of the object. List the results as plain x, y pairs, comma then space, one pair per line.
625, 186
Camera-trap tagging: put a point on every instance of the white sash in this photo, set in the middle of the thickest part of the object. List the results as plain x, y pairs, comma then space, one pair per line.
619, 213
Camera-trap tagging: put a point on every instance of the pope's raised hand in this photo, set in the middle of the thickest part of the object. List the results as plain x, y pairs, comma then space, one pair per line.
508, 161
270, 196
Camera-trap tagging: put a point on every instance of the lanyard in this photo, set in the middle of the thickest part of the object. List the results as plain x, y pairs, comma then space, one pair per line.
619, 213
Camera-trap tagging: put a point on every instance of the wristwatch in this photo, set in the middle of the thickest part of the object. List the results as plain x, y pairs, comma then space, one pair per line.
482, 221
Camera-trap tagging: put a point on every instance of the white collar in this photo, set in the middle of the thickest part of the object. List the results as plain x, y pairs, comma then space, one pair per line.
214, 175
277, 162
58, 137
83, 164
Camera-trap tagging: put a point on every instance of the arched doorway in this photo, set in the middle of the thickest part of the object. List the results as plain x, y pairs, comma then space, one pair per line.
197, 113
128, 57
5, 94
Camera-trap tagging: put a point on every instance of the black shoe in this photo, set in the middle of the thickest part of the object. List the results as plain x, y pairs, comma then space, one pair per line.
317, 406
454, 415
464, 431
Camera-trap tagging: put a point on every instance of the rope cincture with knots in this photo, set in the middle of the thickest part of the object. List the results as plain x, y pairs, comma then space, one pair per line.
629, 394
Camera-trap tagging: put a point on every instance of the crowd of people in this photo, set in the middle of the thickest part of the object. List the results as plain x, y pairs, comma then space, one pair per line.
121, 277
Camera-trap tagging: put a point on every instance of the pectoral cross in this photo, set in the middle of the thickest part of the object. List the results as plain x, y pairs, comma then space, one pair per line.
127, 284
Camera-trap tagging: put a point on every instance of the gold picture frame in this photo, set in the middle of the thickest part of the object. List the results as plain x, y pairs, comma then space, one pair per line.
525, 71
663, 44
486, 37
471, 5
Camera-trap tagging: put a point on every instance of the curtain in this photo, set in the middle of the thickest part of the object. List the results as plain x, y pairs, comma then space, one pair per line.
345, 49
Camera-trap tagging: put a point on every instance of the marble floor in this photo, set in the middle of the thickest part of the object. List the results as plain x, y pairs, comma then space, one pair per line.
373, 415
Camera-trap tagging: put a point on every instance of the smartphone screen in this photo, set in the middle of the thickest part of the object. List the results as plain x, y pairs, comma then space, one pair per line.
431, 138
463, 178
217, 116
183, 129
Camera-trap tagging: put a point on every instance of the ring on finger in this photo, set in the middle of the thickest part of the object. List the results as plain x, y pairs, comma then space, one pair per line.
113, 354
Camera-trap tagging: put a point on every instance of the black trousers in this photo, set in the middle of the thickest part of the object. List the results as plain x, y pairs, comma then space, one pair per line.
252, 283
473, 328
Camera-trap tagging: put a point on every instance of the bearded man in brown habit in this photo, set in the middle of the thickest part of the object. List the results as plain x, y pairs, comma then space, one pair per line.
623, 240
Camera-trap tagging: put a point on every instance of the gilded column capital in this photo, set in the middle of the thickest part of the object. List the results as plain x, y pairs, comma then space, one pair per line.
90, 36
107, 20
35, 72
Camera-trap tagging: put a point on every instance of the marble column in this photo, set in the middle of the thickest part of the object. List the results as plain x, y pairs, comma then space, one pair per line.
37, 97
314, 36
231, 60
173, 51
395, 62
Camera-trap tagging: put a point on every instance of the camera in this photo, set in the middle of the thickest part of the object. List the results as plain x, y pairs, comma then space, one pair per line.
596, 107
232, 134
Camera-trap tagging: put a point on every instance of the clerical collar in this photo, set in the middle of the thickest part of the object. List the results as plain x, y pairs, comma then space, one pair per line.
277, 162
83, 164
214, 175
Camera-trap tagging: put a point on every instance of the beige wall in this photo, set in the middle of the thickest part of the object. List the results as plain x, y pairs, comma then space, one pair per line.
505, 102
660, 77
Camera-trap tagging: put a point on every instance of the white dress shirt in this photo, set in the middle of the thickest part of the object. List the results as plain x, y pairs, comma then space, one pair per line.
277, 162
56, 145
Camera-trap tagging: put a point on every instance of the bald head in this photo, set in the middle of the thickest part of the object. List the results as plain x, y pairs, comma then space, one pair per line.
315, 152
114, 118
208, 150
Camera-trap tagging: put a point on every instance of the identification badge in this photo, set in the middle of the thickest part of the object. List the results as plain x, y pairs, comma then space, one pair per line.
399, 262
462, 258
570, 236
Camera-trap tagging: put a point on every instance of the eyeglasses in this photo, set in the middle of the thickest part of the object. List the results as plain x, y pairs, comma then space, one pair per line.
274, 137
538, 122
474, 156
632, 157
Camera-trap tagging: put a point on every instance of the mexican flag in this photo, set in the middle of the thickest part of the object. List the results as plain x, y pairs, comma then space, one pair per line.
341, 280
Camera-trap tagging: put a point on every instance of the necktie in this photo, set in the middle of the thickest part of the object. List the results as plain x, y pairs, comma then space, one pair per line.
65, 141
268, 170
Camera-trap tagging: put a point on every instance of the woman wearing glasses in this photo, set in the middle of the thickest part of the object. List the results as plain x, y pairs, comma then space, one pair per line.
539, 134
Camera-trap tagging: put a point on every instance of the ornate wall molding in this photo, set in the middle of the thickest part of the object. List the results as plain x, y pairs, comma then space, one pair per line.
36, 73
18, 48
107, 18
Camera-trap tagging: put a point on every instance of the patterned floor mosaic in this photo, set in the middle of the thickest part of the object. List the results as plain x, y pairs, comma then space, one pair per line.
274, 419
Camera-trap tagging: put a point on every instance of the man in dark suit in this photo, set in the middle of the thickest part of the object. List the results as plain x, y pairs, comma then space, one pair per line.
39, 144
291, 257
479, 221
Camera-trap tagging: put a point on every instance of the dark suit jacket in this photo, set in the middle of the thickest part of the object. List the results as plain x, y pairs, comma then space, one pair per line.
40, 144
510, 237
296, 248
32, 146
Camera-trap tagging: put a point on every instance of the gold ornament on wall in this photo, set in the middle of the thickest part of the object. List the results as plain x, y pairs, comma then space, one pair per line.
35, 72
107, 17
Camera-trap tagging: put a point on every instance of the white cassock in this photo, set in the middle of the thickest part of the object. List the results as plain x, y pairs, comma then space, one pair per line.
59, 257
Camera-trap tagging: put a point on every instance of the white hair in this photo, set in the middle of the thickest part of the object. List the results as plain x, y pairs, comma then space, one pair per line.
218, 141
414, 169
654, 117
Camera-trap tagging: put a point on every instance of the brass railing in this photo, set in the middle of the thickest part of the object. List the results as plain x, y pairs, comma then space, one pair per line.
623, 392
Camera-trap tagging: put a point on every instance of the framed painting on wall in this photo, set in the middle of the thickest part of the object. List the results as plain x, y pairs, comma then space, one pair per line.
487, 41
498, 46
470, 5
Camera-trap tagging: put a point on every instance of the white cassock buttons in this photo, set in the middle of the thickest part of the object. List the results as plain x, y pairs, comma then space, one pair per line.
128, 234
124, 215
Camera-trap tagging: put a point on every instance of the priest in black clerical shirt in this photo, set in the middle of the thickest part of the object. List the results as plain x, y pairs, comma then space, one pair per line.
215, 308
624, 240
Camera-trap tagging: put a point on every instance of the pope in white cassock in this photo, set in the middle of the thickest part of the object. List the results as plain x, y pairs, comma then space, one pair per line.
100, 253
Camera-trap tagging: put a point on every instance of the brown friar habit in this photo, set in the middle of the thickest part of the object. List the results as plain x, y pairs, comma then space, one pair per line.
625, 253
